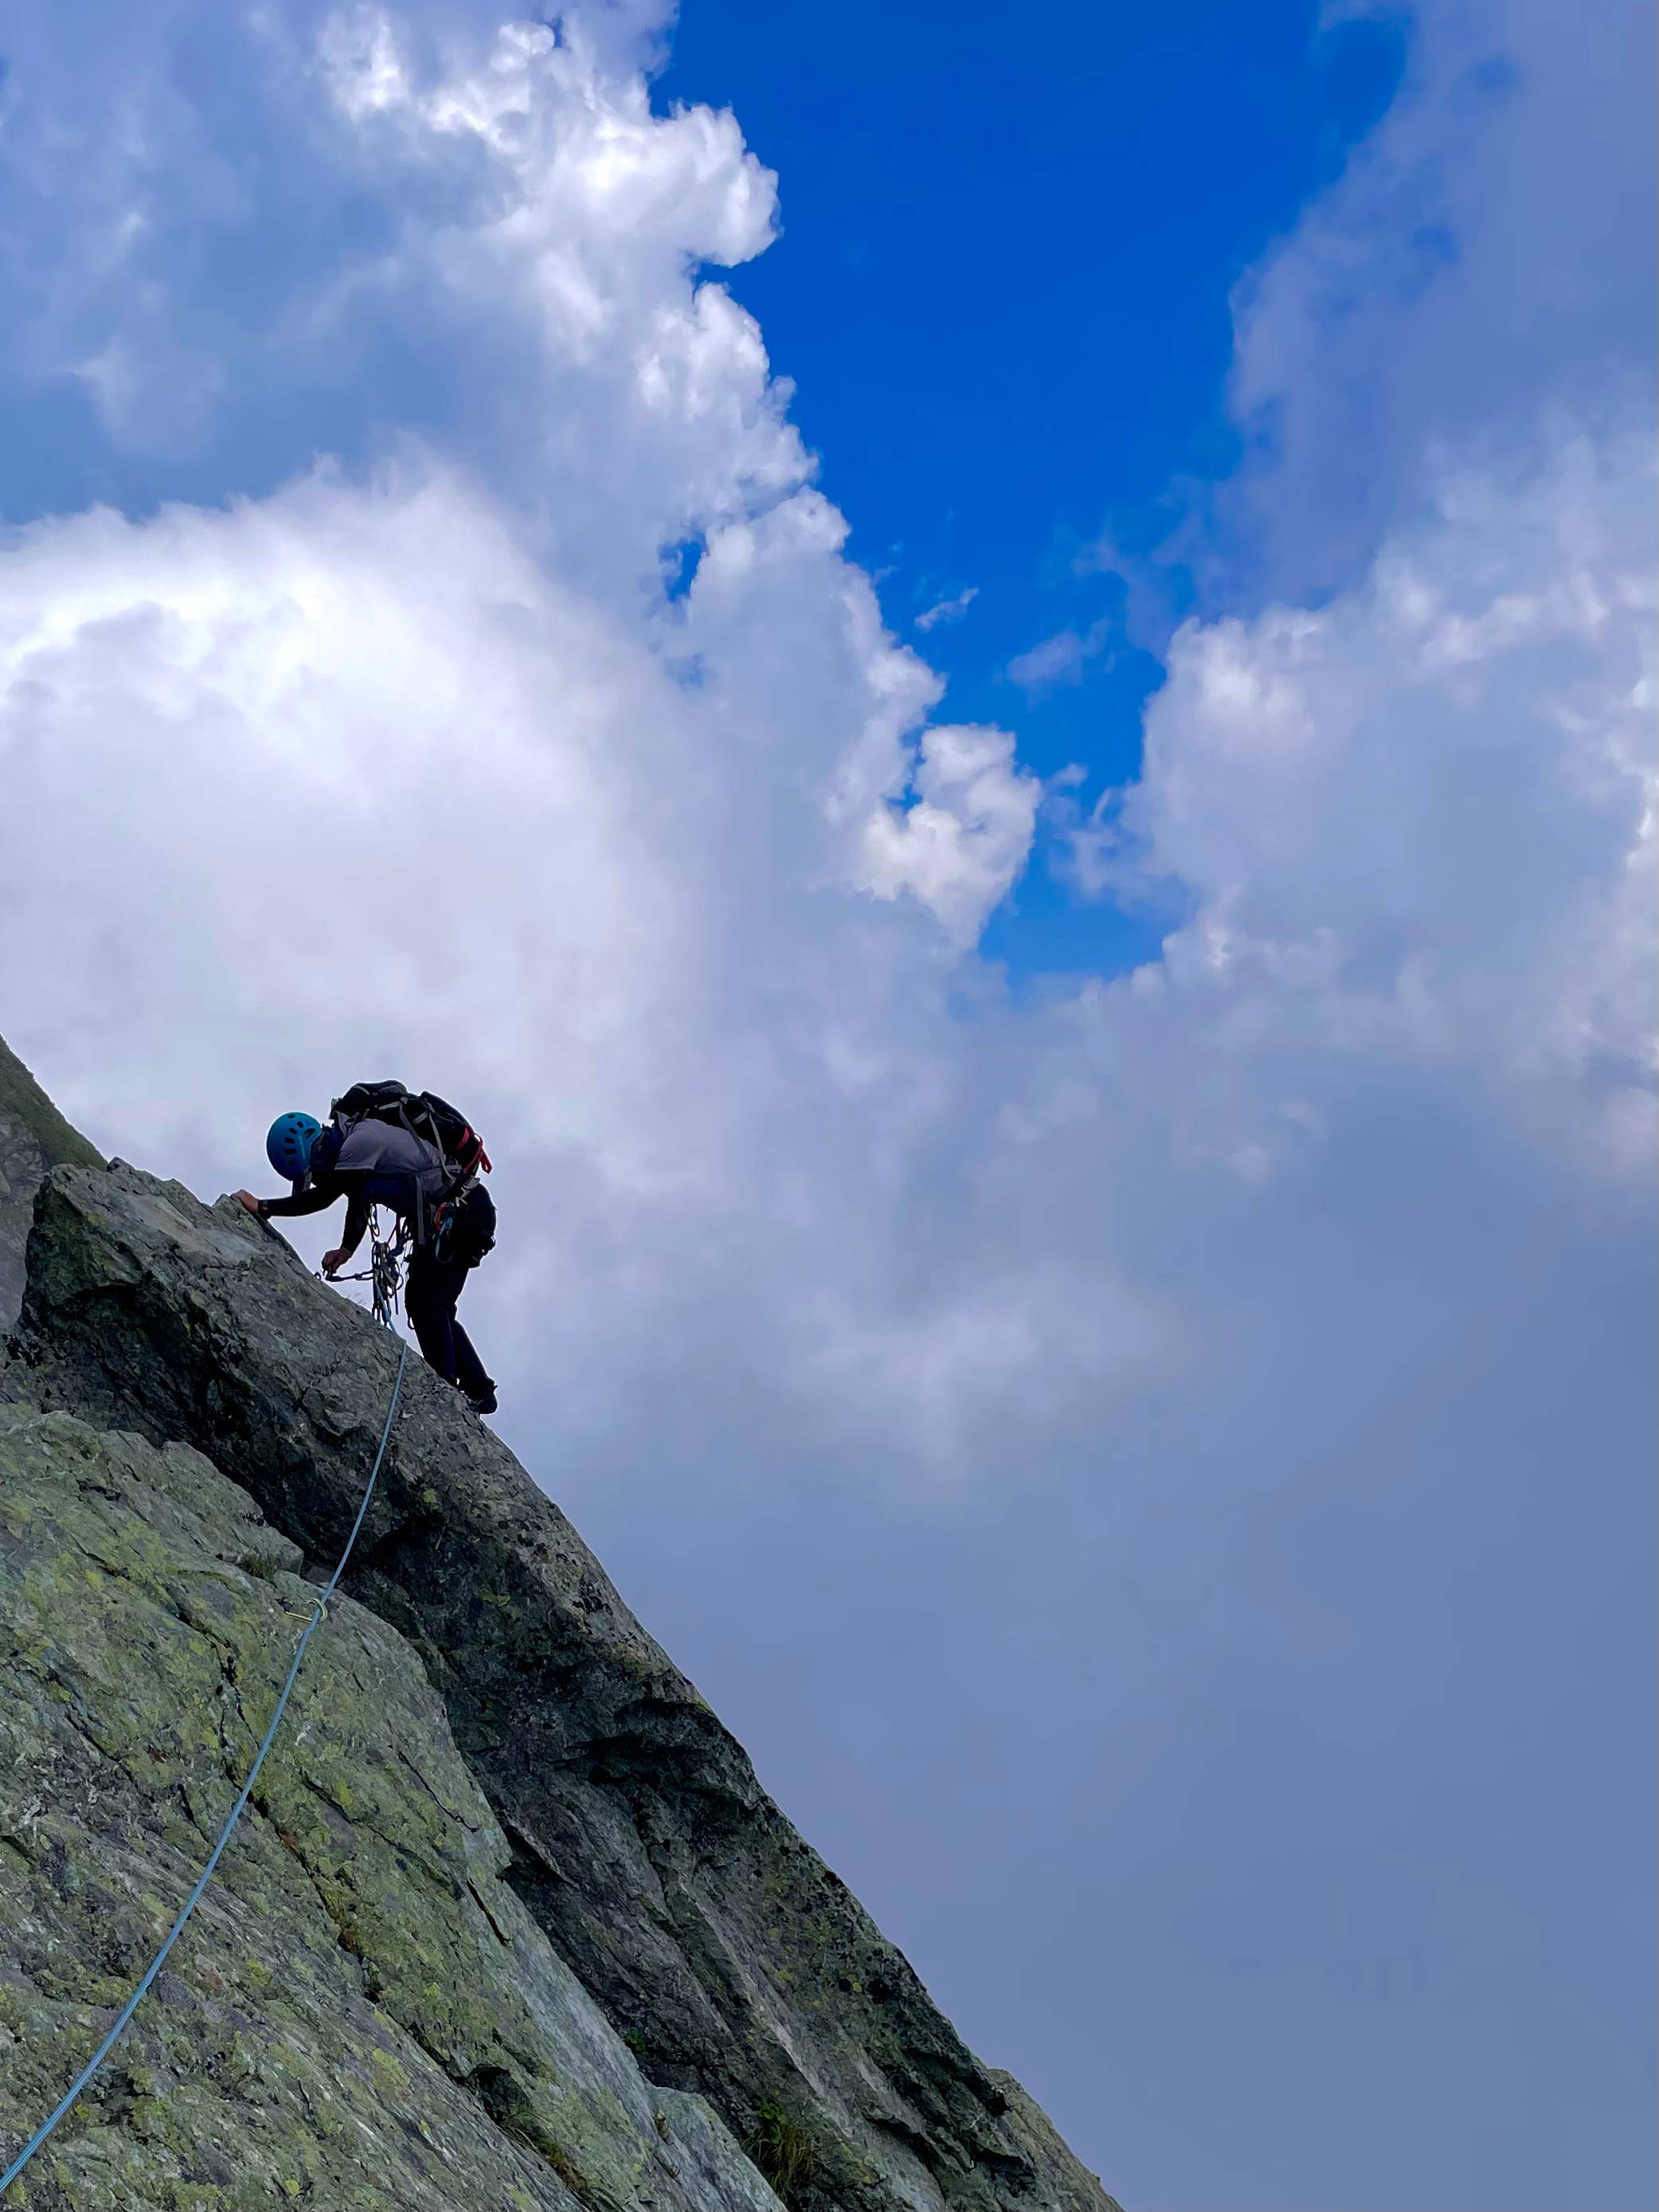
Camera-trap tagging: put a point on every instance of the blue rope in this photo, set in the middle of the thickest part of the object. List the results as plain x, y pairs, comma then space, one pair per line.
155, 1965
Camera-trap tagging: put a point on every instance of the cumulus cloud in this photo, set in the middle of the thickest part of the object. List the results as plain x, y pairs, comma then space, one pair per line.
1461, 273
964, 842
1419, 822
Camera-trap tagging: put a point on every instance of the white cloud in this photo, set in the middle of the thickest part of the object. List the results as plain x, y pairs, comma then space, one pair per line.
1058, 660
1419, 823
962, 844
948, 610
1458, 277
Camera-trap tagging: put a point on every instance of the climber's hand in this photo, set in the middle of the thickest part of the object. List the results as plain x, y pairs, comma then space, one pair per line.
248, 1200
333, 1262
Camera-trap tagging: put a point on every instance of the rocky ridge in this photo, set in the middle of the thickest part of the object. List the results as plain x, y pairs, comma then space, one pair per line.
509, 1922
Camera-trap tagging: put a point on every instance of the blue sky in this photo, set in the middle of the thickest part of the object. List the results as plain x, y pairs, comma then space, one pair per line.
1002, 291
1115, 1345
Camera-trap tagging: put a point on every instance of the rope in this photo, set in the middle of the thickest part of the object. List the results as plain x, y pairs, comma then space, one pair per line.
154, 1966
382, 1270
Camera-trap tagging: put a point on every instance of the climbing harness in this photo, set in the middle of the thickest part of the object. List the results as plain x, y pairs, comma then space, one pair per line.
155, 1965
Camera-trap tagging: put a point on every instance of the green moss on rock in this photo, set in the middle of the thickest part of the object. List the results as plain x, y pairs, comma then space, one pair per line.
23, 1101
357, 1974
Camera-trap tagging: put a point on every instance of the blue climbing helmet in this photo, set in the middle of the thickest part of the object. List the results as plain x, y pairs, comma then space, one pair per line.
288, 1145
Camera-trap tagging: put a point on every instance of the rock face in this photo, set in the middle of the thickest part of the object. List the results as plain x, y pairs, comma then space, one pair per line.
510, 1921
33, 1137
366, 2009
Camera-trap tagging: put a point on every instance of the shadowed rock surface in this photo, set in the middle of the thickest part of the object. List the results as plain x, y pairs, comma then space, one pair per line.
517, 1864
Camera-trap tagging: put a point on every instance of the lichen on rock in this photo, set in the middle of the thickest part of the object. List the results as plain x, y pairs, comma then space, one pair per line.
361, 2012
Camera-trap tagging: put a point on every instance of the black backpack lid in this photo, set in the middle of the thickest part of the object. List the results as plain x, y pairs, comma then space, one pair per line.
368, 1098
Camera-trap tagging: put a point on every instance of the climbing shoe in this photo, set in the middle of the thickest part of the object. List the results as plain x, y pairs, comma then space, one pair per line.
485, 1402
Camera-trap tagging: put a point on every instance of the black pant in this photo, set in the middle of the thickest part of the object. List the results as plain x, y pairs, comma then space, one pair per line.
430, 1298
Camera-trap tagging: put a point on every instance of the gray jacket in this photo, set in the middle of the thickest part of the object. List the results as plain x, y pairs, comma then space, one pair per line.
394, 1164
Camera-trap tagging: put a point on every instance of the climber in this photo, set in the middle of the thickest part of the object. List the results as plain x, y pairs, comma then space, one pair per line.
372, 1162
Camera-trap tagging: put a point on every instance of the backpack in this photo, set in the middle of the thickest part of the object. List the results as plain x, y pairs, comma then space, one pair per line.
425, 1114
